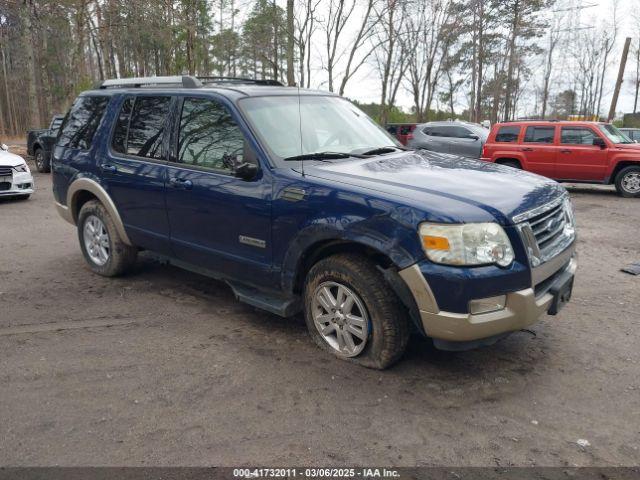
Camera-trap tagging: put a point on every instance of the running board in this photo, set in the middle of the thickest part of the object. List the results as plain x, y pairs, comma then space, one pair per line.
283, 306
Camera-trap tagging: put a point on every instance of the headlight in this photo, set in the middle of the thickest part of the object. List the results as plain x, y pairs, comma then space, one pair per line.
21, 168
466, 244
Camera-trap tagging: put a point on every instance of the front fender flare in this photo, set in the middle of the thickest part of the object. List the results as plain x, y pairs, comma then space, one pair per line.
317, 234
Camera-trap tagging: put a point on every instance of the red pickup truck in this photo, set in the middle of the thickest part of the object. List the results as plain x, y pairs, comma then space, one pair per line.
588, 152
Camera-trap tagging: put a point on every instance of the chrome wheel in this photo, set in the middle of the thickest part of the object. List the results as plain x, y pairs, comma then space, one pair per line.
341, 318
96, 240
631, 182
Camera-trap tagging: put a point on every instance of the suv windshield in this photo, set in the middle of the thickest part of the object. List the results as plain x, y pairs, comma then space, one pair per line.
291, 126
613, 134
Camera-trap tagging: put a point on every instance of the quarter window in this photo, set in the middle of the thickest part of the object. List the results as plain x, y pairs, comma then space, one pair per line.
82, 122
508, 134
539, 134
577, 136
209, 137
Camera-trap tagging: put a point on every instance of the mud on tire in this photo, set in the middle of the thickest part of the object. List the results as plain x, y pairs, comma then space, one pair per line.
388, 319
121, 256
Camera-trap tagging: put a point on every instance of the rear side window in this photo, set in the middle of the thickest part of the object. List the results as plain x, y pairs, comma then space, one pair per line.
577, 136
209, 137
140, 126
82, 122
539, 134
508, 134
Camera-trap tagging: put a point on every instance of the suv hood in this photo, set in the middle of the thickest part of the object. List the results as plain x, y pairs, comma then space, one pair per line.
450, 188
8, 159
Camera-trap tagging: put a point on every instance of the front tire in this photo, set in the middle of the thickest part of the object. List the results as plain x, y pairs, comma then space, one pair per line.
351, 312
512, 163
42, 165
628, 182
101, 245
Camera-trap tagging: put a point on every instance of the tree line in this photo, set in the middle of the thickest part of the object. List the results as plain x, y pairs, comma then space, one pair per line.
473, 59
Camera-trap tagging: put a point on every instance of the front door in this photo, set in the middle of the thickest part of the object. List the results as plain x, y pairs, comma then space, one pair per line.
540, 151
218, 221
578, 157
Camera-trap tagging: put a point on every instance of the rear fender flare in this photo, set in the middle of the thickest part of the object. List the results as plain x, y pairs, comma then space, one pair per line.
88, 185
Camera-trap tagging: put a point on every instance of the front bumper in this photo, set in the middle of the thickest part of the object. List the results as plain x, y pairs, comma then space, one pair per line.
21, 184
523, 307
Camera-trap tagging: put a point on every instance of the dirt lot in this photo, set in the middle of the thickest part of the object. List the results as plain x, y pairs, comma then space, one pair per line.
164, 367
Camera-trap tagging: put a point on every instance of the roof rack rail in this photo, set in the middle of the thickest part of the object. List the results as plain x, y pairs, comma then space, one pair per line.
255, 81
185, 81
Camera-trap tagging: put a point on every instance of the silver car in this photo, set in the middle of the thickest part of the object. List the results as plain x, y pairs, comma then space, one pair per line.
458, 138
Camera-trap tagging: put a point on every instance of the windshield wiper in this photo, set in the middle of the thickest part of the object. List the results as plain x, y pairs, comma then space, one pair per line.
322, 156
382, 150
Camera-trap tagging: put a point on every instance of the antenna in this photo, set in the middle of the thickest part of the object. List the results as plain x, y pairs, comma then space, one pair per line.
300, 125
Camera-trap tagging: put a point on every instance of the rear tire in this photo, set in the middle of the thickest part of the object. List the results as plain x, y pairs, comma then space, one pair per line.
42, 165
360, 294
101, 245
628, 182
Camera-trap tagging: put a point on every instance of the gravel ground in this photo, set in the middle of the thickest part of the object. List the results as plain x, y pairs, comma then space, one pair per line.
164, 367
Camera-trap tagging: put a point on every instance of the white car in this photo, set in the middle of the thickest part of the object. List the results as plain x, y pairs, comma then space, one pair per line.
15, 176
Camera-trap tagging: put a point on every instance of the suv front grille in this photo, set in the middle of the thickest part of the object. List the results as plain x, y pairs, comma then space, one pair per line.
6, 171
548, 226
549, 231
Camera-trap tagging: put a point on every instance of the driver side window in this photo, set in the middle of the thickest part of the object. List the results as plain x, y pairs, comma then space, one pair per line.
208, 136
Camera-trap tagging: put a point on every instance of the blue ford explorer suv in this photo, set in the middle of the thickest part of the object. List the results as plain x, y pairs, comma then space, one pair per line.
301, 203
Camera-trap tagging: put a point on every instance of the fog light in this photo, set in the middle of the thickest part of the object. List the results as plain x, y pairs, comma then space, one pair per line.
486, 305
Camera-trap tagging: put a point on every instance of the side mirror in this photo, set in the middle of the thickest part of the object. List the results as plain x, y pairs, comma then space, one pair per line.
4, 147
473, 136
599, 142
246, 170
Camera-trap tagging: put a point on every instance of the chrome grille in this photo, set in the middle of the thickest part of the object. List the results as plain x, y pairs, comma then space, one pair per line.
549, 231
6, 171
548, 226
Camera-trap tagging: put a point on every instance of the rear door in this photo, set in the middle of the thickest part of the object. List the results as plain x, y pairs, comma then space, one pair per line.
578, 158
218, 221
540, 149
134, 168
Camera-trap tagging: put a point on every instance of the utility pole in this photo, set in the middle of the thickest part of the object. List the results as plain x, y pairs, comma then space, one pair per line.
616, 91
291, 80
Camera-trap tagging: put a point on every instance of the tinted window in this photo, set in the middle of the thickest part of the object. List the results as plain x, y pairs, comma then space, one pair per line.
577, 136
119, 142
209, 137
140, 126
539, 134
82, 122
508, 134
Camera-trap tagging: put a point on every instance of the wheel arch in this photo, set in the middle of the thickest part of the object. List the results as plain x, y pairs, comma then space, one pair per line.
619, 166
85, 189
504, 159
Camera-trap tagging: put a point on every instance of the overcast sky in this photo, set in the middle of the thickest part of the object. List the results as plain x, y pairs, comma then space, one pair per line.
365, 86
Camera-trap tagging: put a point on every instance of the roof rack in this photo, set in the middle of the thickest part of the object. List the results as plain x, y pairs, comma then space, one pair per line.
184, 81
255, 81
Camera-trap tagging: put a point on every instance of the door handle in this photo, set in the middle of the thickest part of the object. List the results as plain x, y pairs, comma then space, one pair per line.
565, 151
527, 149
105, 167
181, 183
